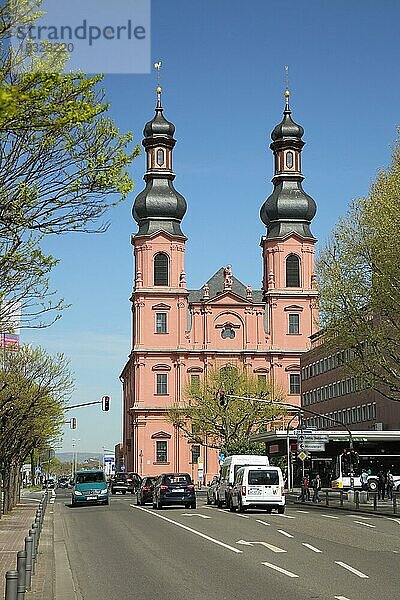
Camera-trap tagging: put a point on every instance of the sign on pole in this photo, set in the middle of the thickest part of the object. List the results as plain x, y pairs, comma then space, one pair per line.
302, 455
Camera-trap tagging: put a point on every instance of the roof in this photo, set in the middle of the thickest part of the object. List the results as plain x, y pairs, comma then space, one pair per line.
216, 288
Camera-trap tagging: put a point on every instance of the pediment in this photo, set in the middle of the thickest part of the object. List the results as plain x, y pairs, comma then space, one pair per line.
228, 297
161, 435
160, 306
293, 308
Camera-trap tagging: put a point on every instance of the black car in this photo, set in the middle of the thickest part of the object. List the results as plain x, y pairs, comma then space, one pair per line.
174, 488
63, 483
119, 483
134, 480
49, 484
145, 491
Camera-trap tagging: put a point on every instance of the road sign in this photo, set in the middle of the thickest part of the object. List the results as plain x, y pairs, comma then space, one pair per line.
302, 455
311, 446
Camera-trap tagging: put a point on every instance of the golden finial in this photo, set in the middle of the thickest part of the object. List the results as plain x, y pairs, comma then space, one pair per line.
157, 66
287, 93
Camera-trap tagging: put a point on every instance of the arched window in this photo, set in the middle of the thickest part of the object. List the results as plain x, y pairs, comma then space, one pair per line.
161, 269
292, 271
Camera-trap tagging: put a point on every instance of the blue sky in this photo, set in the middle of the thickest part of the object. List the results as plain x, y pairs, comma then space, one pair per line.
223, 81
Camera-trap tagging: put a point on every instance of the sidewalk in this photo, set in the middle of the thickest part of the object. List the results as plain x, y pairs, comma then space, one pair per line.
13, 529
384, 507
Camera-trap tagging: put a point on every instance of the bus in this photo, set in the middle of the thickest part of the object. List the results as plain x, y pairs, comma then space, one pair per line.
373, 463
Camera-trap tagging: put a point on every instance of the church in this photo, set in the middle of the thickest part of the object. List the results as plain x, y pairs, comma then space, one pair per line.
179, 333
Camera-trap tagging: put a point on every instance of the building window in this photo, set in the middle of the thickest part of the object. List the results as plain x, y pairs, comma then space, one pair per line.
262, 382
195, 453
161, 322
161, 379
289, 160
227, 333
195, 381
294, 324
161, 451
161, 269
160, 157
292, 271
294, 383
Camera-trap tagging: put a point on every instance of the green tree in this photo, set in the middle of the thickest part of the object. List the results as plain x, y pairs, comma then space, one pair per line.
359, 284
202, 418
63, 163
34, 387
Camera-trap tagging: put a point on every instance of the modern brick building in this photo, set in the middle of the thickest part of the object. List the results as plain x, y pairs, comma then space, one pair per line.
179, 333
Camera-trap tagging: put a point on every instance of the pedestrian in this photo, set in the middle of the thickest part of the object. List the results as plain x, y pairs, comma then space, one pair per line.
316, 484
304, 490
389, 485
364, 480
381, 484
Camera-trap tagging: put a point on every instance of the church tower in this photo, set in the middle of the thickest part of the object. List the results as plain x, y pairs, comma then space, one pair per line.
288, 246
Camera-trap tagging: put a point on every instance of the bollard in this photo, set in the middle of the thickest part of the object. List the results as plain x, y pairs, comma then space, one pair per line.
28, 550
395, 503
11, 585
327, 497
357, 499
375, 501
21, 569
32, 534
341, 498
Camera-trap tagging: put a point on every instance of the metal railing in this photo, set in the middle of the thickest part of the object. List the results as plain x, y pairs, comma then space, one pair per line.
358, 500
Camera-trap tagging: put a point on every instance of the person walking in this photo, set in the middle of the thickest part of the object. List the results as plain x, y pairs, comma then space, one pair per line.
364, 480
381, 484
316, 484
389, 485
304, 490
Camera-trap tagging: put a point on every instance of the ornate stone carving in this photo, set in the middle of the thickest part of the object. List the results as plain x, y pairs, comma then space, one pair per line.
139, 279
271, 279
249, 292
228, 278
206, 291
182, 279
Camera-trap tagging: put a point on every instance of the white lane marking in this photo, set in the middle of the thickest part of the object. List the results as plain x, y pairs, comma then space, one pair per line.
392, 519
195, 515
285, 533
269, 546
263, 522
396, 551
306, 512
243, 516
276, 568
365, 524
359, 517
329, 517
352, 569
341, 598
199, 533
283, 516
313, 548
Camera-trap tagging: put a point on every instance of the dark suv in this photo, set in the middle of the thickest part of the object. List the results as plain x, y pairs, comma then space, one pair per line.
174, 488
119, 483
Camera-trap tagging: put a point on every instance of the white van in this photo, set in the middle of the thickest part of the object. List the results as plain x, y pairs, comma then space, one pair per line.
229, 469
258, 487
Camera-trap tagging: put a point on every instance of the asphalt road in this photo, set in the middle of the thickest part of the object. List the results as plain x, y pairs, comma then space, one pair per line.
123, 551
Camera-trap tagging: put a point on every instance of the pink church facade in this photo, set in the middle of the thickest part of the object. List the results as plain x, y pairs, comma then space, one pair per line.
178, 333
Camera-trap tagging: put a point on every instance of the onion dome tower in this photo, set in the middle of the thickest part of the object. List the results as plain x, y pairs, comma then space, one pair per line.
288, 209
159, 207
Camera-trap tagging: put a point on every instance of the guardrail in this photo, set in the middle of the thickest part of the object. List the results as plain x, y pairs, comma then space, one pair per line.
356, 497
20, 580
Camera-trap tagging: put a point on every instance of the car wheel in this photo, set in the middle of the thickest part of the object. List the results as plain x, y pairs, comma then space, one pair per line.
193, 505
219, 503
208, 501
187, 504
113, 492
268, 509
154, 504
159, 505
241, 508
281, 510
231, 507
137, 500
107, 502
372, 485
124, 492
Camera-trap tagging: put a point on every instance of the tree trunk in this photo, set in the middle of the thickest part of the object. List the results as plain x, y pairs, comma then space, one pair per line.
33, 467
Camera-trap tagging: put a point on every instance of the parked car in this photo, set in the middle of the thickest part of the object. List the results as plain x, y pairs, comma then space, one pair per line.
90, 487
258, 487
134, 480
49, 484
63, 482
229, 469
119, 483
144, 492
174, 488
212, 490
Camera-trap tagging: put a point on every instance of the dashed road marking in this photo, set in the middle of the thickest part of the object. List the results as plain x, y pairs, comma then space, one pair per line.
279, 569
365, 524
306, 512
289, 535
313, 548
283, 516
263, 522
341, 598
199, 533
243, 516
359, 517
265, 544
329, 517
351, 569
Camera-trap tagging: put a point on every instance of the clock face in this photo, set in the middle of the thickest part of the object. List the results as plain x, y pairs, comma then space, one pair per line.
289, 160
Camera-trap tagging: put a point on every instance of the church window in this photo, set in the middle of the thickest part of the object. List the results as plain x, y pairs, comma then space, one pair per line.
161, 451
289, 160
294, 383
160, 157
161, 384
294, 324
161, 322
161, 269
292, 271
228, 333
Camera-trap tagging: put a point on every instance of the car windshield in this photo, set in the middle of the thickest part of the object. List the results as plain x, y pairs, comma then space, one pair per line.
90, 477
174, 479
120, 476
263, 478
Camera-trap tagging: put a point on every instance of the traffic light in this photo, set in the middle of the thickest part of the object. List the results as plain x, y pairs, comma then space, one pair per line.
222, 399
72, 423
105, 403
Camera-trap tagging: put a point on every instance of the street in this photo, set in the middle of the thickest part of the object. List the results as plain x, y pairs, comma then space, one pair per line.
127, 551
